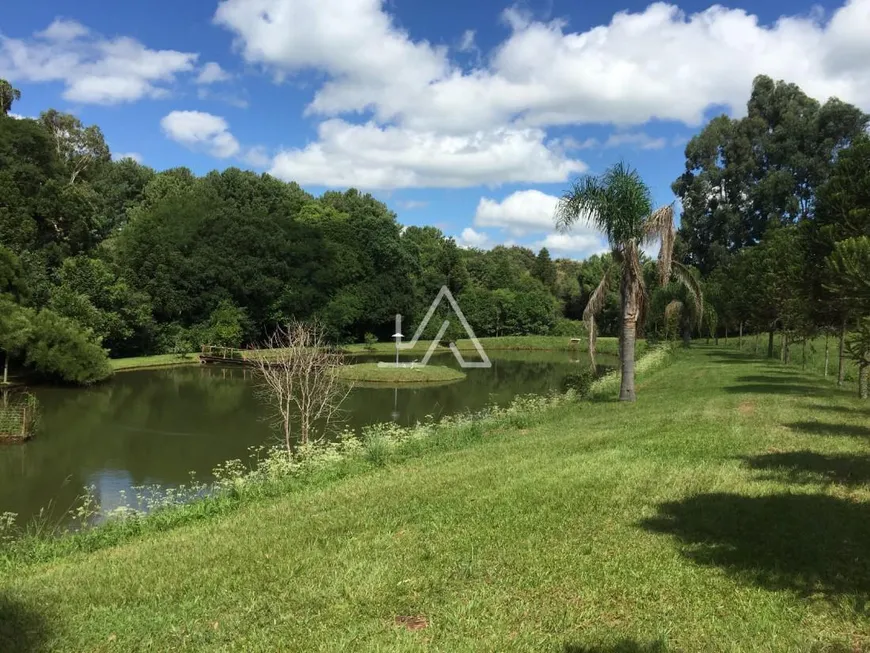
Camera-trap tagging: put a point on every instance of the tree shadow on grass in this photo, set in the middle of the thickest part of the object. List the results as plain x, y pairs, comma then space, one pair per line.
623, 646
774, 388
826, 428
803, 543
812, 467
776, 378
845, 410
22, 630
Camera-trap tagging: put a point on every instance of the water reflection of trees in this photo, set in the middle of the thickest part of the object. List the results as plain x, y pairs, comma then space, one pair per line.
156, 426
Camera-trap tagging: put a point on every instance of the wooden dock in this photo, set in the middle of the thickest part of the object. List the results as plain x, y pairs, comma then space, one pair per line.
214, 355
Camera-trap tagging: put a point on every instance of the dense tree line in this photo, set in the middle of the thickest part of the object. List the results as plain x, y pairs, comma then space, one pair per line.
776, 218
101, 257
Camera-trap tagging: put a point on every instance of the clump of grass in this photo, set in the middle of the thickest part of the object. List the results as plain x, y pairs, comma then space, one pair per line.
656, 357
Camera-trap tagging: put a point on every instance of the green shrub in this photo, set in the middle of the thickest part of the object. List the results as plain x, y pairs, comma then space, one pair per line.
579, 381
370, 340
569, 328
61, 350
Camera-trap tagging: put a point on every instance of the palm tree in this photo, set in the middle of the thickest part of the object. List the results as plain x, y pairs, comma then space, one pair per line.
619, 203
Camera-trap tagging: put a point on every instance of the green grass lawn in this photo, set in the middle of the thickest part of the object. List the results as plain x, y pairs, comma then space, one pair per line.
728, 510
159, 360
373, 373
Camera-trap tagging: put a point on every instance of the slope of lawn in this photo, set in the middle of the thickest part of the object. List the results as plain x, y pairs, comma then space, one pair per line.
728, 510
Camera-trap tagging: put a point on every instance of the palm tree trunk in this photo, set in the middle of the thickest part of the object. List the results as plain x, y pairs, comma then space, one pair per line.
629, 334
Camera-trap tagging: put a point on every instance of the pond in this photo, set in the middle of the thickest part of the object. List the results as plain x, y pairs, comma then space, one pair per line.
156, 426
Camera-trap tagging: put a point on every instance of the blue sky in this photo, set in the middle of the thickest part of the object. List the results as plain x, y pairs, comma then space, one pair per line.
471, 116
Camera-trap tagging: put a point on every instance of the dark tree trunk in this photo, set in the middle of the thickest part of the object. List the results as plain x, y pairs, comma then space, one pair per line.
863, 374
740, 337
770, 344
841, 368
804, 355
827, 353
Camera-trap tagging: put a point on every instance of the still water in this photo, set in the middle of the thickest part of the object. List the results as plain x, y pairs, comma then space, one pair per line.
156, 426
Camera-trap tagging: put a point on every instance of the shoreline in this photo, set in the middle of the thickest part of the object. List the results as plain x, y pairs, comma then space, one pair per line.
274, 474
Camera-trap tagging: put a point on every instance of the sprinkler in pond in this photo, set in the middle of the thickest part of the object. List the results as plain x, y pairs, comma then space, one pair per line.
398, 336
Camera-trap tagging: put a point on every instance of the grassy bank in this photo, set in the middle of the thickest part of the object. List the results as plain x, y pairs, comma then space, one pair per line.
373, 373
728, 510
159, 360
505, 343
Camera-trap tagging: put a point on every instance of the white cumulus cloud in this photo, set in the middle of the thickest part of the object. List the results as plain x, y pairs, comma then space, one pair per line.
657, 63
573, 245
422, 107
94, 69
373, 157
471, 238
200, 130
212, 73
532, 213
127, 155
519, 213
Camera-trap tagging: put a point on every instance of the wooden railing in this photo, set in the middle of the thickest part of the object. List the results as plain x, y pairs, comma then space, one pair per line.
225, 353
17, 419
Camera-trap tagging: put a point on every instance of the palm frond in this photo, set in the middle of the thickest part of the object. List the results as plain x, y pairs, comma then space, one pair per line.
693, 286
595, 305
675, 307
616, 202
632, 271
660, 226
585, 201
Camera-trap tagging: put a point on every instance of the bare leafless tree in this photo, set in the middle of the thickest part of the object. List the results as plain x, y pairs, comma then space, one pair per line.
298, 377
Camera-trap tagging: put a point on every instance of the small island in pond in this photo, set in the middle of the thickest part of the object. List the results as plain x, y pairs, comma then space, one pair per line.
403, 374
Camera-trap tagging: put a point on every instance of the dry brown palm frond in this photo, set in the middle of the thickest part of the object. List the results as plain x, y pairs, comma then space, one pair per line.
660, 225
595, 305
673, 309
693, 286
